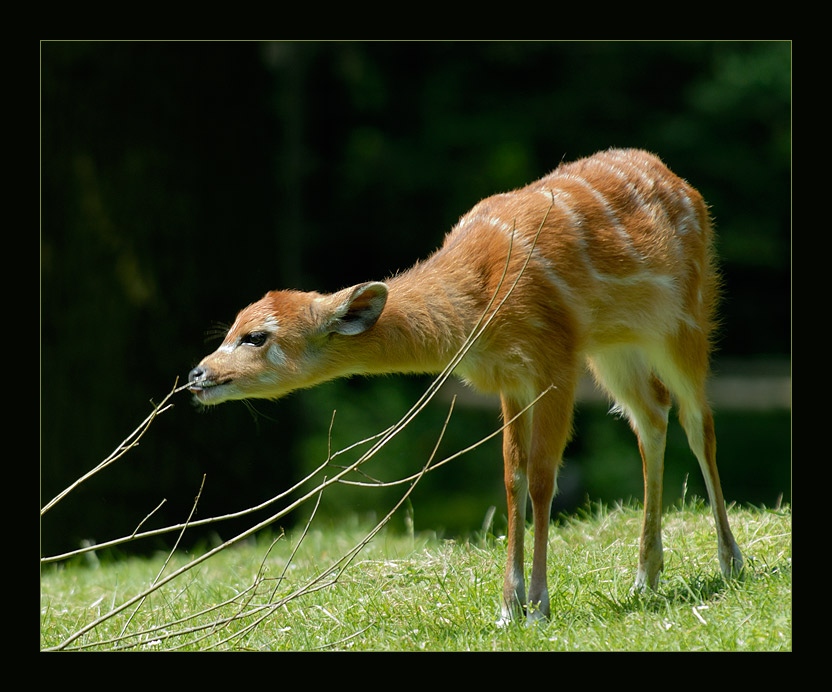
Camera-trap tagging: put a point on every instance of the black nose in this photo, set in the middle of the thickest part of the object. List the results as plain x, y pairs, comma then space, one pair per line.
195, 374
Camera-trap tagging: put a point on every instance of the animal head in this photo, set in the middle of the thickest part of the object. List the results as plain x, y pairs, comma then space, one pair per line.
287, 340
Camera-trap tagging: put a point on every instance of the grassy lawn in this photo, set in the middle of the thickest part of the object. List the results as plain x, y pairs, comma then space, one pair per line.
418, 593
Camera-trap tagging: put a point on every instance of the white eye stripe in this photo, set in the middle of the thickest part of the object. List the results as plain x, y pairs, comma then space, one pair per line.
276, 355
249, 333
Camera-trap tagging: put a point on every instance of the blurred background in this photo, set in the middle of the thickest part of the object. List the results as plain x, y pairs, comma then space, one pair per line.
181, 181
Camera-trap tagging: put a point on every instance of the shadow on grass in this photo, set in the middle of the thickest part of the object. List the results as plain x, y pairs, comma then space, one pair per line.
690, 589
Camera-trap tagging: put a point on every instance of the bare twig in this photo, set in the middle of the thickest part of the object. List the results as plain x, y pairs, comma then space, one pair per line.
262, 612
330, 575
455, 455
129, 442
340, 565
141, 523
170, 554
211, 520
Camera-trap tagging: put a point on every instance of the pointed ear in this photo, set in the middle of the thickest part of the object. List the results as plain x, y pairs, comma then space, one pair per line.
358, 309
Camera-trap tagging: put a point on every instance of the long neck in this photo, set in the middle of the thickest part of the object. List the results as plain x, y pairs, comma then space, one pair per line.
425, 321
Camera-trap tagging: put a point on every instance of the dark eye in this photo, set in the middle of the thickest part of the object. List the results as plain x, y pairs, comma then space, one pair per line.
254, 338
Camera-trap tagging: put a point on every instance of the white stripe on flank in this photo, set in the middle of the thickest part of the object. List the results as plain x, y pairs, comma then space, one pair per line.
643, 169
666, 282
561, 199
677, 198
635, 164
522, 247
627, 180
610, 214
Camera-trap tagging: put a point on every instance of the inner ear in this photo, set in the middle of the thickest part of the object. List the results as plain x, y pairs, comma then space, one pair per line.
360, 309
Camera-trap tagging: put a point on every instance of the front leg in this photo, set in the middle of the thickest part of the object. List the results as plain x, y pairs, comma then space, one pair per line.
551, 426
515, 452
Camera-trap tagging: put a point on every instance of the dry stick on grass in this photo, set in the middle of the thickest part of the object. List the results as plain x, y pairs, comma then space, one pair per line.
147, 635
482, 324
316, 583
139, 597
340, 565
170, 554
242, 613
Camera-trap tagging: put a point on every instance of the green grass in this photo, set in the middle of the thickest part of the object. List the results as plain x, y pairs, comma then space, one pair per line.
418, 593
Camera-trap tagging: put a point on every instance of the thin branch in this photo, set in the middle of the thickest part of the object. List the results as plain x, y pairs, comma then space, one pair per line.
312, 585
129, 442
170, 554
141, 523
212, 520
340, 565
455, 455
167, 625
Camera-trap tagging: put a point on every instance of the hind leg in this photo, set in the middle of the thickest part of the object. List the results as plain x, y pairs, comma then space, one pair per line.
686, 375
645, 401
698, 423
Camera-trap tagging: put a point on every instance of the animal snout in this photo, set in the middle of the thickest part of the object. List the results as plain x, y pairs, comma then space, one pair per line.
197, 374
